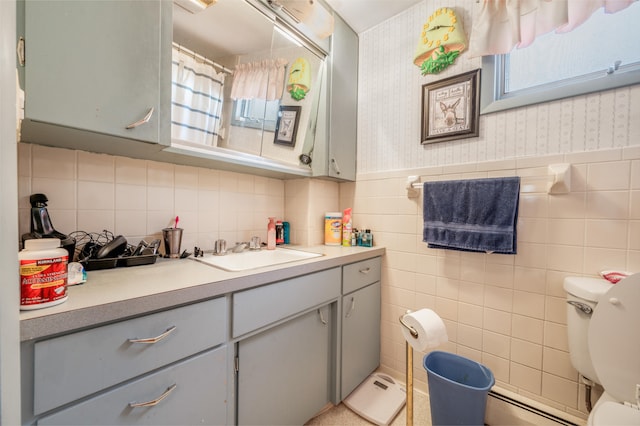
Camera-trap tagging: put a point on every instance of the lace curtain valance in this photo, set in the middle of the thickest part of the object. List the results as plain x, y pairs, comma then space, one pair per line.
259, 80
502, 25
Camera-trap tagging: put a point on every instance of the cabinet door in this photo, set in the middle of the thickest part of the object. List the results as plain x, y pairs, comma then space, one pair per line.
95, 65
360, 336
343, 101
283, 374
191, 392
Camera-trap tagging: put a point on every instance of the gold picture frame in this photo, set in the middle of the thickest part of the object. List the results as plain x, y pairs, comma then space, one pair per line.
451, 108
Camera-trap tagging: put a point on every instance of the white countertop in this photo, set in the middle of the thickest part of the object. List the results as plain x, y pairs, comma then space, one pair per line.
115, 294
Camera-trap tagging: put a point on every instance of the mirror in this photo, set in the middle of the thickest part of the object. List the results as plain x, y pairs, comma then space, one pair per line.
257, 110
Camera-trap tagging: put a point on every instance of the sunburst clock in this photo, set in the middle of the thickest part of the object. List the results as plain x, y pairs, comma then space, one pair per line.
299, 81
441, 41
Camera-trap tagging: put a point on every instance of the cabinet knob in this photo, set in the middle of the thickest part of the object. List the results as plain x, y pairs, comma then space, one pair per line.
142, 121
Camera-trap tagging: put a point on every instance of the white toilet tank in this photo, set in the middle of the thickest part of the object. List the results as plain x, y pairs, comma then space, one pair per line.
583, 294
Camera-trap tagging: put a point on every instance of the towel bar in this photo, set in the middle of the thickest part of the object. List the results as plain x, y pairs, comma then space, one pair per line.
558, 179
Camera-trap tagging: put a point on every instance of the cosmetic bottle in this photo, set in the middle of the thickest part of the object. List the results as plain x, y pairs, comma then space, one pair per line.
271, 234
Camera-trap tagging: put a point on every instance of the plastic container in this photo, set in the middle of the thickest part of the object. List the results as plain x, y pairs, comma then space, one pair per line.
286, 230
346, 227
271, 234
279, 233
43, 273
333, 228
458, 389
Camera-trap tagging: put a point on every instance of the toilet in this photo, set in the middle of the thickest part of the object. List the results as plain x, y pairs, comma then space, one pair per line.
604, 344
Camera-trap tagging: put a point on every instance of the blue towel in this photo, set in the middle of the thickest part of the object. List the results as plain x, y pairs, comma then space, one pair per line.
472, 214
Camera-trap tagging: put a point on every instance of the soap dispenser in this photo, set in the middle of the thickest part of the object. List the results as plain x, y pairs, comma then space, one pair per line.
271, 234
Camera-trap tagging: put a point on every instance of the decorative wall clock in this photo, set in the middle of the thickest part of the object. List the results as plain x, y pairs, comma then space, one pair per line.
299, 79
441, 41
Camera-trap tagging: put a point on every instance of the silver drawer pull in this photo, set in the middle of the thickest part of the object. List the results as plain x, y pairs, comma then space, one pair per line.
154, 402
351, 308
365, 270
322, 320
142, 121
154, 339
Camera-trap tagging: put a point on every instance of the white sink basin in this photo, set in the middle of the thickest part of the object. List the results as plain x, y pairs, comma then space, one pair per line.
255, 259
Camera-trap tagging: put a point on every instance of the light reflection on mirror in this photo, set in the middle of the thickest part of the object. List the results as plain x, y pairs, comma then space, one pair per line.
232, 33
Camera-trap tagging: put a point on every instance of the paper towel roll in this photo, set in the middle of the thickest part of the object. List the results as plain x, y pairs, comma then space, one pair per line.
430, 328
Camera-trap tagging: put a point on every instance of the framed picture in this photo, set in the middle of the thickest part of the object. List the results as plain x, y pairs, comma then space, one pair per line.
287, 125
451, 108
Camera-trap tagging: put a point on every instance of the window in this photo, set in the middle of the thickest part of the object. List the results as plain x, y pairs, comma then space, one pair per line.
603, 53
255, 113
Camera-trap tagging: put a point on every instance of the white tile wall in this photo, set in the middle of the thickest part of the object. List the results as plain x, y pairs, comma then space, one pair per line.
136, 198
508, 312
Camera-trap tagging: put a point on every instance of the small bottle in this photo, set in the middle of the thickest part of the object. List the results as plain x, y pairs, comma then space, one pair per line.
279, 233
286, 231
367, 238
346, 227
271, 234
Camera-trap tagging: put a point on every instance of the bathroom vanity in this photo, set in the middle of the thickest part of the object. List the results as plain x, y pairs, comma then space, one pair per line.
183, 342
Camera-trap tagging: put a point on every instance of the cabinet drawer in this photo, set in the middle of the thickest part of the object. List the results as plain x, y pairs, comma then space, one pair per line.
78, 364
264, 305
198, 397
360, 274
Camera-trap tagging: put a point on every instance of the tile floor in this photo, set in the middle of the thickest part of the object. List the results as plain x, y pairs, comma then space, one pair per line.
341, 415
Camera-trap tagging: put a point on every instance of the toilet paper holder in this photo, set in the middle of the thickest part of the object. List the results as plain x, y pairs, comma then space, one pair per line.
409, 372
413, 331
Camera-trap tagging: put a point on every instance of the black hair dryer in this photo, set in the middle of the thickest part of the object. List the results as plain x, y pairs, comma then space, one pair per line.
41, 226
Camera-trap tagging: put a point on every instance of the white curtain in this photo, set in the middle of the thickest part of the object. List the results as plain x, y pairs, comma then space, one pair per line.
196, 99
259, 80
502, 25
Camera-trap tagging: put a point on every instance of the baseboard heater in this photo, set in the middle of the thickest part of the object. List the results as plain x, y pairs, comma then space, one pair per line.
504, 410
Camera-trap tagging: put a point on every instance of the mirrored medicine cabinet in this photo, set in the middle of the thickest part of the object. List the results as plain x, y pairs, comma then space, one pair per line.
253, 116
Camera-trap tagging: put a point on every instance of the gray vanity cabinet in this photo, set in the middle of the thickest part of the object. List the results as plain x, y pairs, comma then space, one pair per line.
360, 323
284, 364
97, 74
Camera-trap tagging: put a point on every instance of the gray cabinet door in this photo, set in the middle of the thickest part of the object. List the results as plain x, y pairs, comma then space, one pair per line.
343, 101
360, 336
284, 372
95, 65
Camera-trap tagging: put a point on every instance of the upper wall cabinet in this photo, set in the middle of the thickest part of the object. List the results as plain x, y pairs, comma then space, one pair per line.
149, 79
343, 98
98, 71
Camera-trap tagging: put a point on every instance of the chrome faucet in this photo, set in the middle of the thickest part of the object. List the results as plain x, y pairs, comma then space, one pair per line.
255, 243
220, 247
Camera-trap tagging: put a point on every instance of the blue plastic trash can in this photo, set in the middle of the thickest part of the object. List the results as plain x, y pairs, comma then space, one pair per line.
458, 389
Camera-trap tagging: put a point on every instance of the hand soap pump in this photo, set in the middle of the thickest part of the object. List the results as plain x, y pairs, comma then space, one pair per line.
271, 234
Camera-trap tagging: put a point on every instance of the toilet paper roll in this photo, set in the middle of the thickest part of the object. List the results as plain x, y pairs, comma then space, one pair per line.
430, 328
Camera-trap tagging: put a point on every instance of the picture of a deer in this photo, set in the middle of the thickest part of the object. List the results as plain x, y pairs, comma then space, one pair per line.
449, 112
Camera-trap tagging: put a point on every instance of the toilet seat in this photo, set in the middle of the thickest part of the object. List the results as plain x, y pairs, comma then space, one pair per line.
614, 343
